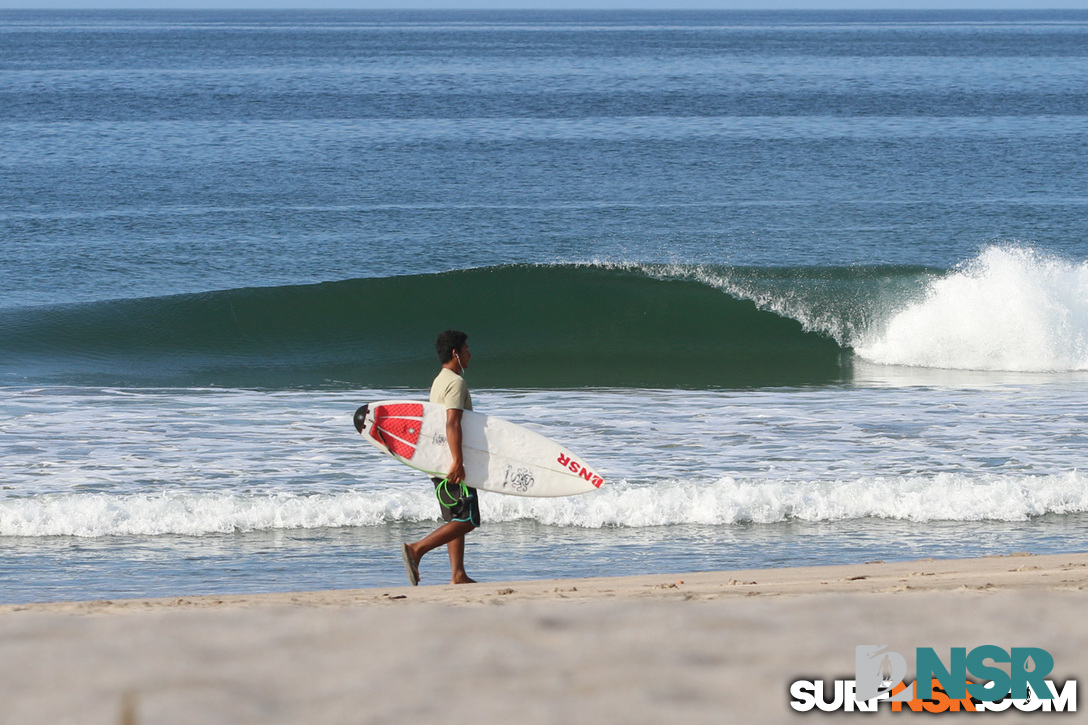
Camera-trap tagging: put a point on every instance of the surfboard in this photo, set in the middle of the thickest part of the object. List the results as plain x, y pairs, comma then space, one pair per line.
500, 456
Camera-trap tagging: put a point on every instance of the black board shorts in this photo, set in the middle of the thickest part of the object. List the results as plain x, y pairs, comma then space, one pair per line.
458, 503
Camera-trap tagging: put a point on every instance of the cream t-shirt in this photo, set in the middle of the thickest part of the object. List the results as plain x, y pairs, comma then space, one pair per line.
449, 389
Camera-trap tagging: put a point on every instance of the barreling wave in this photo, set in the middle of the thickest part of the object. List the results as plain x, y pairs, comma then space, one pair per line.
531, 326
538, 326
943, 497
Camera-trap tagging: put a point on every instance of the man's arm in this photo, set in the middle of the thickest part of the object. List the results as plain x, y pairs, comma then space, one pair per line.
453, 437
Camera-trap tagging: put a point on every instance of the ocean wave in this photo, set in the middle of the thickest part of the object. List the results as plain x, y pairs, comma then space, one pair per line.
1012, 309
532, 326
729, 501
196, 514
944, 497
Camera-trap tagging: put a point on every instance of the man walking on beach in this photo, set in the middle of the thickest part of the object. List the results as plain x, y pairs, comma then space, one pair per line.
459, 503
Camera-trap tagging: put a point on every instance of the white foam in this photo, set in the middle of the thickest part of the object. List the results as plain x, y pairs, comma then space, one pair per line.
943, 497
195, 514
1011, 309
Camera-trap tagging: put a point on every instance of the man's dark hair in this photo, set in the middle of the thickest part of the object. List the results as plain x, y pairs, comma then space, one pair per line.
449, 342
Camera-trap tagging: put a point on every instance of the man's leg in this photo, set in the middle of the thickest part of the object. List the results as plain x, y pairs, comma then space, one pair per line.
448, 533
456, 549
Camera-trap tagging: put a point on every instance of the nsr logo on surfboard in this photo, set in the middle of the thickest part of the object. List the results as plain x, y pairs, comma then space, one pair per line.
576, 468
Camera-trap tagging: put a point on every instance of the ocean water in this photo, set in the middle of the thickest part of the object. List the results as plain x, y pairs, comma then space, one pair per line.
806, 288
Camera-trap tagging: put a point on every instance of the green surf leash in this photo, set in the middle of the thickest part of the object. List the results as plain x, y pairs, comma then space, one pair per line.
443, 487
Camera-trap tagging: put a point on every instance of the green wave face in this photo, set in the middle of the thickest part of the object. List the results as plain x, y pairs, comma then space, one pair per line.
528, 326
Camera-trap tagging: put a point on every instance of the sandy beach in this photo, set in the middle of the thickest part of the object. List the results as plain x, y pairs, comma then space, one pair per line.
696, 647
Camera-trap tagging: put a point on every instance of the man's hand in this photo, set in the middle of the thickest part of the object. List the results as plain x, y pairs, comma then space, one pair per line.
457, 472
453, 436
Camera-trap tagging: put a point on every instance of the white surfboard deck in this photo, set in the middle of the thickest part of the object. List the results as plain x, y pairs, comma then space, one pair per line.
500, 456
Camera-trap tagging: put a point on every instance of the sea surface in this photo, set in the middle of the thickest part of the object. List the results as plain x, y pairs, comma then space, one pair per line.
806, 288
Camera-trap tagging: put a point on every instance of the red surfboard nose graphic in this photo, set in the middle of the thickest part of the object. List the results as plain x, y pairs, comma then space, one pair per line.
397, 427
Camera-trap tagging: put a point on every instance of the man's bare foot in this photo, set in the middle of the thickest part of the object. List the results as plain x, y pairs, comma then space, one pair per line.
463, 579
